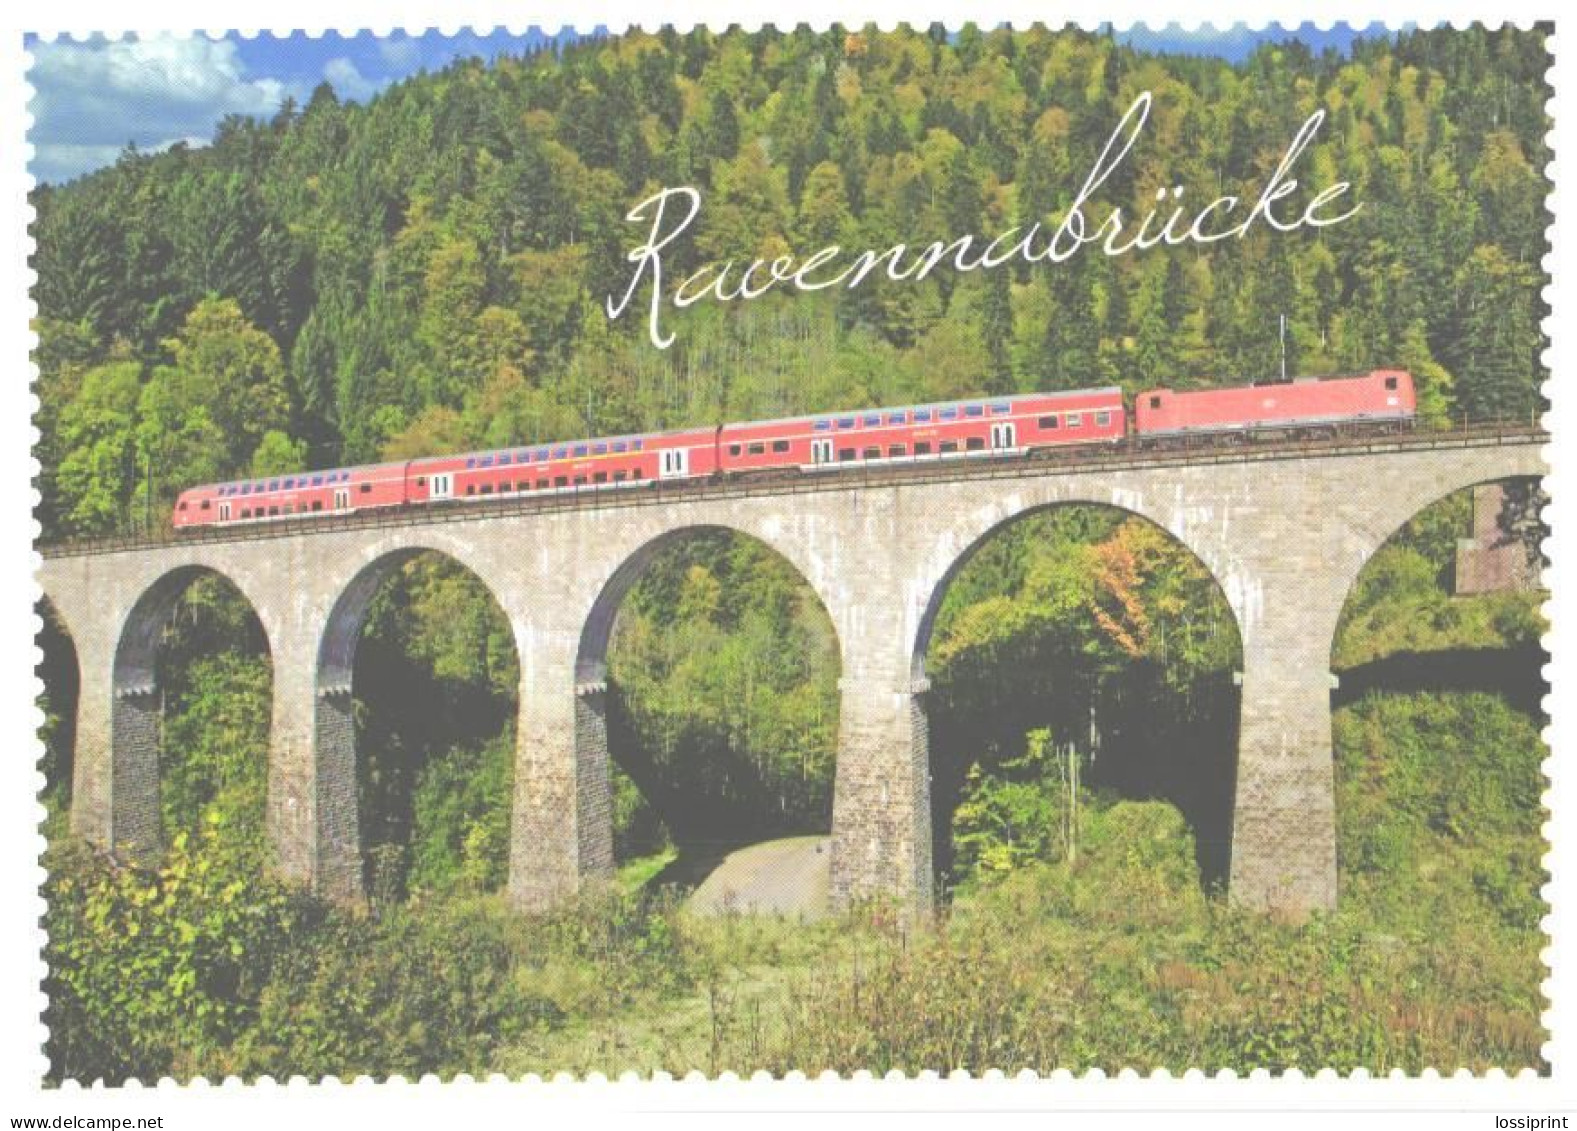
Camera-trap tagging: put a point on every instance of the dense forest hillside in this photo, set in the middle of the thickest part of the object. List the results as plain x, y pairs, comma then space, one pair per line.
428, 271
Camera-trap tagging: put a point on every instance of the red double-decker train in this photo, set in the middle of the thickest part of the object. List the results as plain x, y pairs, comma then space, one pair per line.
974, 428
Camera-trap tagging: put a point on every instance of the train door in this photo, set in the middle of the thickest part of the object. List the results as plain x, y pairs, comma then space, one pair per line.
342, 498
676, 463
442, 486
224, 512
820, 452
1002, 437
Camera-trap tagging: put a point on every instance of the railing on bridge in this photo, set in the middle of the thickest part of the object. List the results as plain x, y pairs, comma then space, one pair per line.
1126, 454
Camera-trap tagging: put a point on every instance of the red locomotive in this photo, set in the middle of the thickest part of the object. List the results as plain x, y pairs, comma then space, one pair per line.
974, 428
1307, 406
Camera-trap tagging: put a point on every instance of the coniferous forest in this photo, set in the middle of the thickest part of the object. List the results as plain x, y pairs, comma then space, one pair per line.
426, 273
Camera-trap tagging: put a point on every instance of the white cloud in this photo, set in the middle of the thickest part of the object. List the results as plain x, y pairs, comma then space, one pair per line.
400, 54
348, 82
92, 98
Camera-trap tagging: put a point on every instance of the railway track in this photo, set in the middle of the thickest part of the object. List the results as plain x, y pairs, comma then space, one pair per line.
1124, 456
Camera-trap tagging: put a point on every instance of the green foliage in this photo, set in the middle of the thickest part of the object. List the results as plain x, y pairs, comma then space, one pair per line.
415, 275
1438, 802
153, 973
727, 667
216, 729
460, 831
1402, 600
1046, 641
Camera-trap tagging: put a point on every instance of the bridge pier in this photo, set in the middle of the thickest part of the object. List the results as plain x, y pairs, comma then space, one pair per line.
562, 822
114, 796
881, 810
1284, 813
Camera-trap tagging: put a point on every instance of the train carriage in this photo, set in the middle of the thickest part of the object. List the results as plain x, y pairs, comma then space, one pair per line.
298, 495
575, 465
988, 426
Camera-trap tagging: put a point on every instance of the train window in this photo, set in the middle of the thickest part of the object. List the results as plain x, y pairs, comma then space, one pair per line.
182, 505
620, 446
600, 477
922, 415
974, 410
757, 449
845, 455
505, 460
733, 449
487, 461
289, 509
366, 488
999, 409
949, 447
317, 480
635, 473
1155, 402
1047, 422
895, 450
560, 453
1075, 420
272, 511
780, 445
618, 477
846, 422
948, 414
873, 453
470, 463
580, 450
289, 483
974, 443
873, 420
273, 484
245, 513
421, 480
822, 426
922, 448
895, 418
561, 481
470, 489
639, 444
203, 506
1102, 419
317, 504
487, 488
542, 455
579, 480
1390, 382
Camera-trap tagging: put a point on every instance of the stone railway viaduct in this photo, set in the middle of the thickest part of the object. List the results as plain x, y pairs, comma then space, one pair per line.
1285, 533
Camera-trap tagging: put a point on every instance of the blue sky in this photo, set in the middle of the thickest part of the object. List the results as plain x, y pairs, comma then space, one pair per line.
92, 98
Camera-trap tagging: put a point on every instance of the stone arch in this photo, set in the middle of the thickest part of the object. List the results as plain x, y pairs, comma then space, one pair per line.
337, 849
988, 523
1205, 814
1381, 673
597, 626
59, 670
591, 688
136, 710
